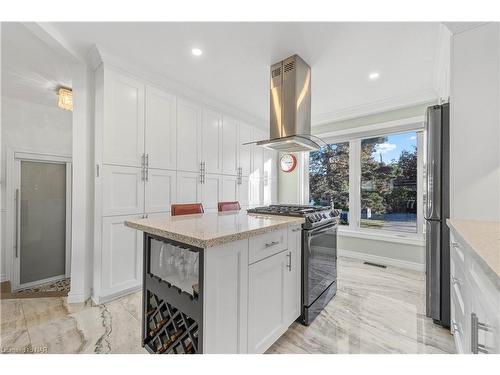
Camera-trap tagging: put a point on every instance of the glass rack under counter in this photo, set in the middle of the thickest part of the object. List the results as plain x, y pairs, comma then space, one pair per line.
172, 296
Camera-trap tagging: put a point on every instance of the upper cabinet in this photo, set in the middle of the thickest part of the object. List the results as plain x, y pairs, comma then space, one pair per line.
211, 141
122, 118
230, 147
258, 155
188, 136
245, 154
160, 130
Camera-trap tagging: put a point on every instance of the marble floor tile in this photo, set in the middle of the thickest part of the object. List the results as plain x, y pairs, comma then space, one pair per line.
41, 310
11, 316
376, 310
133, 304
15, 342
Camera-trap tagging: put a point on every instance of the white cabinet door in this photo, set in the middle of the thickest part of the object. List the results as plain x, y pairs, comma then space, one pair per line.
160, 129
123, 125
229, 189
244, 192
211, 141
270, 163
160, 190
270, 191
258, 156
211, 188
188, 136
230, 147
266, 302
245, 152
121, 254
293, 280
256, 191
122, 190
225, 298
188, 187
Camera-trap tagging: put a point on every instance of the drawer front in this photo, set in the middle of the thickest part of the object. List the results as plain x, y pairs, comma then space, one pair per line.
267, 244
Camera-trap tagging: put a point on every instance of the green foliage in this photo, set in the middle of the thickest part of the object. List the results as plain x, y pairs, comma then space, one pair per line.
385, 187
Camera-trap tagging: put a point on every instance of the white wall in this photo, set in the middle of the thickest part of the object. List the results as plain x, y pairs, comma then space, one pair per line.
475, 124
31, 127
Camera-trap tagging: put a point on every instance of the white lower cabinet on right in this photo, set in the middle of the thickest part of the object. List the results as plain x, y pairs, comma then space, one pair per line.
475, 302
273, 295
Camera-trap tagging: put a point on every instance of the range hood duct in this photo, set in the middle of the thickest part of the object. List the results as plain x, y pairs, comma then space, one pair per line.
290, 107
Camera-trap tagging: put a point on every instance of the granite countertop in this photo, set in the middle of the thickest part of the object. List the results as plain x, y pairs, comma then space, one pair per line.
212, 229
484, 238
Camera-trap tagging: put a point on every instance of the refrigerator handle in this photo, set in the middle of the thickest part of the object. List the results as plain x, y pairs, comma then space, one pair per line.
433, 159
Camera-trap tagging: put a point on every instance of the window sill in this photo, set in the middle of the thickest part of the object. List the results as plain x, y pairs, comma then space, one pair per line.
415, 240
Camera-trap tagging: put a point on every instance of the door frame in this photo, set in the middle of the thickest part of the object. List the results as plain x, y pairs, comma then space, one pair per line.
13, 175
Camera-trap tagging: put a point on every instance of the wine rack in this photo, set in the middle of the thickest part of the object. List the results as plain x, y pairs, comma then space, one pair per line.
172, 317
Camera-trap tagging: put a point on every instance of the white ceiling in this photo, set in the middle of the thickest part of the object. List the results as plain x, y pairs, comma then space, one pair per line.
31, 70
234, 67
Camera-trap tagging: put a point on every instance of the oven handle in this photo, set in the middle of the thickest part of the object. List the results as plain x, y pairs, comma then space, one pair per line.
320, 230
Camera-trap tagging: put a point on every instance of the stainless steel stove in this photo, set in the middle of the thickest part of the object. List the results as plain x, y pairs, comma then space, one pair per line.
319, 254
315, 216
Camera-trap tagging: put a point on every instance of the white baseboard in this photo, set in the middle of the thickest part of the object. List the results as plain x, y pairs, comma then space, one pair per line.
78, 297
382, 260
103, 299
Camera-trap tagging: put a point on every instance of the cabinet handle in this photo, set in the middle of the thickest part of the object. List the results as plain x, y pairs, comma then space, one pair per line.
270, 244
17, 223
454, 280
289, 265
476, 325
146, 171
143, 160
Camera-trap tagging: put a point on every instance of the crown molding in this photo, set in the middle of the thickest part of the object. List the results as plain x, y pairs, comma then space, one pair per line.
378, 106
97, 55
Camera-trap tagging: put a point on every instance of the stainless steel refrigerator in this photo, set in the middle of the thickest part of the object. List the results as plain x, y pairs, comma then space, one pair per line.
436, 211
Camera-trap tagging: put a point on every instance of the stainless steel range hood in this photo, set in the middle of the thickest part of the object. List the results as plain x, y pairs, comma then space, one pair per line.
290, 107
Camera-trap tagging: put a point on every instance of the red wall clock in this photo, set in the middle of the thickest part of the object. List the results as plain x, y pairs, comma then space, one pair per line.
288, 162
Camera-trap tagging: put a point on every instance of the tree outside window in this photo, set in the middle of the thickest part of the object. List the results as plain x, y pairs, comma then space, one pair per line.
329, 178
389, 182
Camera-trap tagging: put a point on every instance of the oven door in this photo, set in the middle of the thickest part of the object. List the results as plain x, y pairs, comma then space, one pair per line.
320, 261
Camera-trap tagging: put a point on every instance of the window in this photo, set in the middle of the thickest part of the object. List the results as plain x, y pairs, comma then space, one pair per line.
329, 178
374, 177
389, 182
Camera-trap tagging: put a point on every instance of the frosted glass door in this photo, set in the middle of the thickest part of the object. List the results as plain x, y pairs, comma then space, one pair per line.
42, 235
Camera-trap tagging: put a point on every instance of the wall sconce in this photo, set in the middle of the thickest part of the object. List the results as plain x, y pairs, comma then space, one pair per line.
65, 99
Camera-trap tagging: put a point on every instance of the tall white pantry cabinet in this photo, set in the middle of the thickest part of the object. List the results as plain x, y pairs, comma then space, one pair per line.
153, 149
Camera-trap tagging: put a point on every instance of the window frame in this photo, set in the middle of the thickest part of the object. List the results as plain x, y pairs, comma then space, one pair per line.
354, 137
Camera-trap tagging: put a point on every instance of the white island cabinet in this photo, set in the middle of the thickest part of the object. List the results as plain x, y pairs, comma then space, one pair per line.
248, 287
475, 286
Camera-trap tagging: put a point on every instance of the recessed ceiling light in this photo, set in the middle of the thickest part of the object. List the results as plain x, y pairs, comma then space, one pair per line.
373, 76
196, 51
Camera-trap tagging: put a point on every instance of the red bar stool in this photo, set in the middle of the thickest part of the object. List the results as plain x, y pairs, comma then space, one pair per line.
186, 209
228, 206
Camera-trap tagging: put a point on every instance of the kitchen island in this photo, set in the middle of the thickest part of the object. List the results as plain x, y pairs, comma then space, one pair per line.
225, 282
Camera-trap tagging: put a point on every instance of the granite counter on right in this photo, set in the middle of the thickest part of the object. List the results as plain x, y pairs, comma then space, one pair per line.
475, 285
